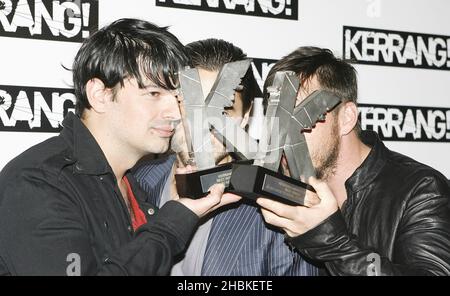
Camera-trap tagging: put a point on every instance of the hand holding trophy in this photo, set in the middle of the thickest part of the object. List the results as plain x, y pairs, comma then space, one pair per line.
282, 132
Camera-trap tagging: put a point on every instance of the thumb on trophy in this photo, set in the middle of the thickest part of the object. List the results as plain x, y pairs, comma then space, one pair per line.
214, 200
323, 192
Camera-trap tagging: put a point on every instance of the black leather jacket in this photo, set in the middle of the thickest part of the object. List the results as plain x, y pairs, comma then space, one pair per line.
395, 221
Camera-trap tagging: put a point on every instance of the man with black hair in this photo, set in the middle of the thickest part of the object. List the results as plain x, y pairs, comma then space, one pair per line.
235, 242
380, 212
69, 205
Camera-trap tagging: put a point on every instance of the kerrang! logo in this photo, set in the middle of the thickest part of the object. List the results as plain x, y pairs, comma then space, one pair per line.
405, 123
282, 9
48, 20
31, 109
395, 48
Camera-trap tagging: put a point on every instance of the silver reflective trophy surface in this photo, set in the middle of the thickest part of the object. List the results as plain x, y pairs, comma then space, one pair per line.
202, 115
283, 125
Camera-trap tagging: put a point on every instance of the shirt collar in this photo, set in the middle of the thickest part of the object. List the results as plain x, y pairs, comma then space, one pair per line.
371, 166
88, 156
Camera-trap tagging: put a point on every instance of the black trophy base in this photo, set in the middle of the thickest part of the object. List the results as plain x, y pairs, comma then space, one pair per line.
252, 181
196, 185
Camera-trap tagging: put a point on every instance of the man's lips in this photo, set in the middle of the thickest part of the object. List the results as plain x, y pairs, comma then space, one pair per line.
164, 131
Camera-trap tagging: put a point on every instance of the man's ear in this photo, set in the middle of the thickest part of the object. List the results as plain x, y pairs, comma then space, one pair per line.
348, 117
246, 117
98, 95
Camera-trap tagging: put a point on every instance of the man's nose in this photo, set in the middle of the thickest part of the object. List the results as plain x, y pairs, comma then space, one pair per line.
171, 109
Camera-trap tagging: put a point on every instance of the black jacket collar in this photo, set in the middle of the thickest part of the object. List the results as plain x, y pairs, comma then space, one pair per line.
371, 166
86, 152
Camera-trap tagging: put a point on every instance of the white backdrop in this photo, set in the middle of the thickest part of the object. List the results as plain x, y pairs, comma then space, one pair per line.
28, 61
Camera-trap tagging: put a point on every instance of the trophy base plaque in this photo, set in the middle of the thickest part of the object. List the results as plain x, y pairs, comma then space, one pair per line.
196, 185
252, 181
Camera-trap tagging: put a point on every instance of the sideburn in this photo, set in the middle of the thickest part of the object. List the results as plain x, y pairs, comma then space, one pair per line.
329, 164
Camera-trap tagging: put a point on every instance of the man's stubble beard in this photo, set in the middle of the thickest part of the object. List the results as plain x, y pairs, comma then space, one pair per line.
326, 165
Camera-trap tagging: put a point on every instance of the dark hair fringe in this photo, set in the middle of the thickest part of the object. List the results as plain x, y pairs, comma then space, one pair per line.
332, 73
128, 48
211, 54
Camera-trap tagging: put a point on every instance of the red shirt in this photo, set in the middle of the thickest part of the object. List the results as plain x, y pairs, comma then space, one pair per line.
137, 216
